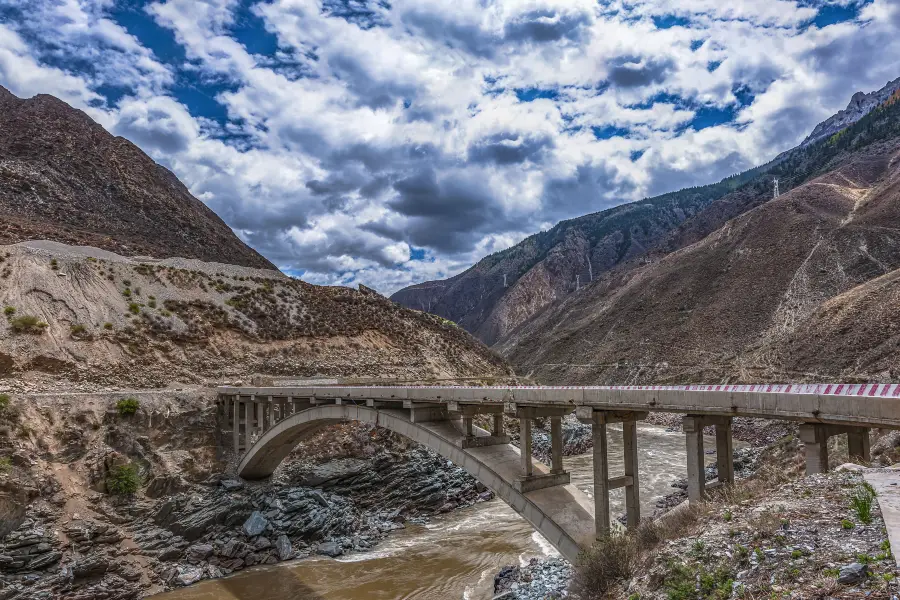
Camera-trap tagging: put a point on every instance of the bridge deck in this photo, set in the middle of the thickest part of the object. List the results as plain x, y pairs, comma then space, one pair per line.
865, 405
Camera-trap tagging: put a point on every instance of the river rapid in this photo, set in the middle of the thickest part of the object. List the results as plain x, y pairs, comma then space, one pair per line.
454, 556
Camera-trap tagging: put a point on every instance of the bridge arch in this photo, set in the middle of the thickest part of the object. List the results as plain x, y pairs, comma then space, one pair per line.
563, 514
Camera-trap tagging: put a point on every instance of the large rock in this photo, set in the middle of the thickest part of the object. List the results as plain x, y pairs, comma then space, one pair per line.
283, 547
188, 575
198, 553
255, 524
853, 573
332, 549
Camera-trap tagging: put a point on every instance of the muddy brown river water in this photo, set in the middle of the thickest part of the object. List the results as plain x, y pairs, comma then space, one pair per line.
454, 556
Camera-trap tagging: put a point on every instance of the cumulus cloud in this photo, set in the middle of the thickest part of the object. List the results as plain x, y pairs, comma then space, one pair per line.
394, 142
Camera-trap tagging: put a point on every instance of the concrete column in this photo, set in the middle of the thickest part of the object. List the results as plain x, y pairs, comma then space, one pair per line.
467, 426
556, 445
236, 424
815, 441
226, 411
858, 444
268, 409
525, 446
257, 417
497, 425
725, 451
282, 409
601, 476
249, 415
696, 464
632, 491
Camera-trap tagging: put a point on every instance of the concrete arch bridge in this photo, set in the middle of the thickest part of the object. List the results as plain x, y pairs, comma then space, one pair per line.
266, 423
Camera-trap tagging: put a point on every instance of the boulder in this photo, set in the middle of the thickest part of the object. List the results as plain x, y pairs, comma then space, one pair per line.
283, 547
198, 553
231, 485
255, 524
853, 573
188, 575
332, 549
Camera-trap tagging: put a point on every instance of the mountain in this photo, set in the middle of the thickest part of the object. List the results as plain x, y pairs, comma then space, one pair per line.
547, 267
799, 287
550, 265
65, 178
89, 315
860, 105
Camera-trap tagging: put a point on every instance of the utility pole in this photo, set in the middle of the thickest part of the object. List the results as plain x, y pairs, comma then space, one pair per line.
775, 181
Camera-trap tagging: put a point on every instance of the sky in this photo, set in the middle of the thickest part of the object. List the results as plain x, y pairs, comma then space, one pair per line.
389, 142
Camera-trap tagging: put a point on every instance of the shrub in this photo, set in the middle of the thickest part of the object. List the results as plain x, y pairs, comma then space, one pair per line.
134, 308
123, 480
9, 311
152, 303
5, 464
27, 324
108, 326
127, 292
127, 406
4, 402
610, 560
861, 502
53, 264
847, 524
78, 331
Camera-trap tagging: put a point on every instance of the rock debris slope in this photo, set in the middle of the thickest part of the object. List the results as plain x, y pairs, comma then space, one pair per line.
83, 314
65, 178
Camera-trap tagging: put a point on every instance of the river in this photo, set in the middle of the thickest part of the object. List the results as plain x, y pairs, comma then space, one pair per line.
455, 555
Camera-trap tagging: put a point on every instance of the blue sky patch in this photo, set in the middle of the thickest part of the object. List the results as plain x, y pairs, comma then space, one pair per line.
250, 30
532, 94
669, 21
416, 253
607, 132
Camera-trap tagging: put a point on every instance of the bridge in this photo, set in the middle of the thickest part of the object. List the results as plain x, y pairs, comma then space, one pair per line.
266, 423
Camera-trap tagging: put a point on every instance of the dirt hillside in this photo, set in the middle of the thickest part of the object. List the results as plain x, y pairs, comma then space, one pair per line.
88, 315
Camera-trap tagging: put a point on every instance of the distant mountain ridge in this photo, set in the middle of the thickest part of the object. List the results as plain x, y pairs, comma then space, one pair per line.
737, 290
860, 105
64, 178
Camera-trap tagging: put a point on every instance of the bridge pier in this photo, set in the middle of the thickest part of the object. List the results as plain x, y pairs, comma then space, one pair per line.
529, 481
815, 442
693, 426
603, 484
467, 412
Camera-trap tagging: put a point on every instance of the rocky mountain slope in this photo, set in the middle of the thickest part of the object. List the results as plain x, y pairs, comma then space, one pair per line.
84, 314
763, 297
860, 105
65, 178
548, 267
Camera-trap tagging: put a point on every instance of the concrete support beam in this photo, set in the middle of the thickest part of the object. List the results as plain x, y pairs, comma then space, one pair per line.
556, 445
248, 424
525, 446
497, 425
858, 444
632, 489
535, 412
467, 427
815, 441
268, 420
601, 475
725, 452
470, 410
696, 462
236, 424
